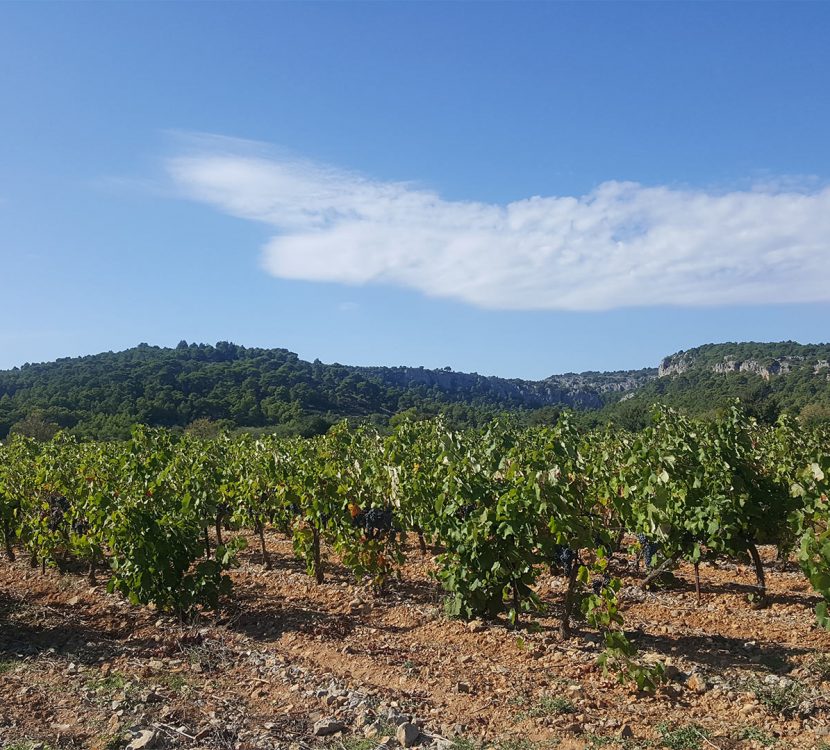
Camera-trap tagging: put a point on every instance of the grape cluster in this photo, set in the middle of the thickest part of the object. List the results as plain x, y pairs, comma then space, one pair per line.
564, 559
649, 548
463, 513
375, 522
599, 583
58, 507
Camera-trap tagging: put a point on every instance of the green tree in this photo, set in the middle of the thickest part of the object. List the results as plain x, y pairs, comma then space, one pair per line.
35, 425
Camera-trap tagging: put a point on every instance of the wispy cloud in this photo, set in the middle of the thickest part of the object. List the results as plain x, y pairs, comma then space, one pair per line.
623, 244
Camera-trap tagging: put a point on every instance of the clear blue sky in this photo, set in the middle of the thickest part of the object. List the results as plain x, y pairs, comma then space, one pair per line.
515, 189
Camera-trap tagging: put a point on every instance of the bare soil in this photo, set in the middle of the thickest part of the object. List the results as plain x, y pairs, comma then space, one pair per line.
80, 668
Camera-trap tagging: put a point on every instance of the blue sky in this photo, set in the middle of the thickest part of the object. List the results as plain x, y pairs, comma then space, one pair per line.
514, 189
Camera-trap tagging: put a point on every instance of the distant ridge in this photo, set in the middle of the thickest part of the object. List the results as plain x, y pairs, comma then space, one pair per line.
766, 360
768, 378
231, 386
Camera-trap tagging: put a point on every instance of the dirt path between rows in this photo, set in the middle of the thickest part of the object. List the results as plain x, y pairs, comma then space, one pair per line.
82, 669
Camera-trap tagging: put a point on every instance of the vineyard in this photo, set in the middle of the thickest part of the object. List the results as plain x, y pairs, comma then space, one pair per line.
546, 536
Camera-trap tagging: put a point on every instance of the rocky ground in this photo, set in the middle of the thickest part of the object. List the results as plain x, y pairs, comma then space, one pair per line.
290, 664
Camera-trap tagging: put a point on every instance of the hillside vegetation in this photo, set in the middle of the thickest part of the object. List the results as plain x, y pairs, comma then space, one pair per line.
768, 379
208, 388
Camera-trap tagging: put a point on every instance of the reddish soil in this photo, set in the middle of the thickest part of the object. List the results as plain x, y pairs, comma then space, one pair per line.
80, 668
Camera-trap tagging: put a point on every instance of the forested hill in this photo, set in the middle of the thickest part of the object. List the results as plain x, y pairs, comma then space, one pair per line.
764, 359
207, 387
104, 394
768, 378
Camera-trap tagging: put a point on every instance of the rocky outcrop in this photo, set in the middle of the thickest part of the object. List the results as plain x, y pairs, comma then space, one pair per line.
619, 381
682, 362
578, 390
674, 365
776, 367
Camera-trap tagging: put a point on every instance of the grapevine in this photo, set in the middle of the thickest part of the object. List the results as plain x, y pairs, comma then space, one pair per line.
501, 506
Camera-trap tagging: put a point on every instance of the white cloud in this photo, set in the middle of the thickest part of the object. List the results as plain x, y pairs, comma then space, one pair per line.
623, 244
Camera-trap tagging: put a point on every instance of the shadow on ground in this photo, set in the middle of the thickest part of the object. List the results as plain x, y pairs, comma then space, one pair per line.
29, 629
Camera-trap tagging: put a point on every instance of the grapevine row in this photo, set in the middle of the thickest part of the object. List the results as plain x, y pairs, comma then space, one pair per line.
498, 505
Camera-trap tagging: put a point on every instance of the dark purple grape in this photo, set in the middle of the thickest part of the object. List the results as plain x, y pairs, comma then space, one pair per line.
599, 583
464, 512
564, 559
375, 522
649, 548
56, 512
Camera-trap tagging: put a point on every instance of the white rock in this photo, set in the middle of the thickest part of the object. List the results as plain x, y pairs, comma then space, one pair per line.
407, 734
146, 738
328, 726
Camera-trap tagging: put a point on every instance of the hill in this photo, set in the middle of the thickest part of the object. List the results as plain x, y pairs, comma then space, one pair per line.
102, 395
768, 378
227, 385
